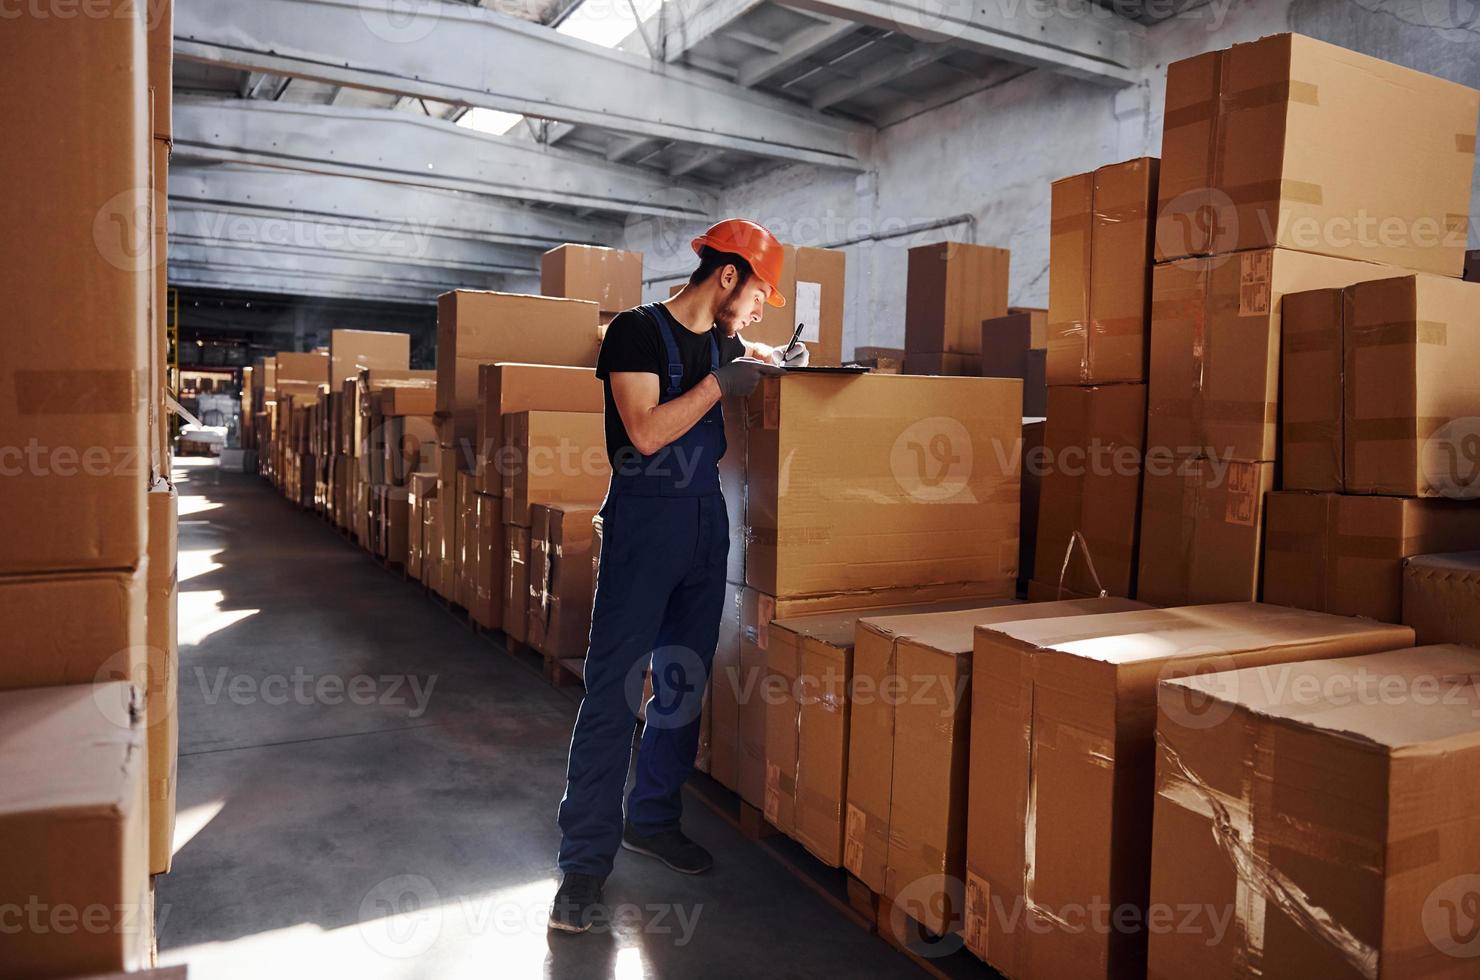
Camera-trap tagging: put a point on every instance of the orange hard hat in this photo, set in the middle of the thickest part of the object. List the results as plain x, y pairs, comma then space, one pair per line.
754, 244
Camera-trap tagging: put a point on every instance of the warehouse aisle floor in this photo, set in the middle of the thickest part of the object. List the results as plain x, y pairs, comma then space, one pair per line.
368, 789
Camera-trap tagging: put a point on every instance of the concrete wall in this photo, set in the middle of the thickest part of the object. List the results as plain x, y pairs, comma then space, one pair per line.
987, 160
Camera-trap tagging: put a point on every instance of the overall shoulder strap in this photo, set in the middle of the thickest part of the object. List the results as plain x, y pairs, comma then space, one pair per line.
713, 351
670, 346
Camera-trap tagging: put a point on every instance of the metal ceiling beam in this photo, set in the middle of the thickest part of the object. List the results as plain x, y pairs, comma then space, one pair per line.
695, 160
331, 198
688, 24
260, 270
399, 147
799, 47
630, 147
465, 55
290, 232
1073, 37
879, 73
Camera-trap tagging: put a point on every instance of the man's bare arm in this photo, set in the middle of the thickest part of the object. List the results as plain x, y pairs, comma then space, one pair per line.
652, 426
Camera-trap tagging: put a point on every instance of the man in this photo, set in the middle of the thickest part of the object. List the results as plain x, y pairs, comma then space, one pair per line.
665, 539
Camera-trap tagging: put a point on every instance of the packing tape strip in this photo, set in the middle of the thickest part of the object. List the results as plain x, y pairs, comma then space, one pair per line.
1081, 222
1199, 409
1311, 341
1274, 93
1395, 429
1464, 142
1260, 884
1318, 431
1117, 326
81, 392
1124, 214
1399, 332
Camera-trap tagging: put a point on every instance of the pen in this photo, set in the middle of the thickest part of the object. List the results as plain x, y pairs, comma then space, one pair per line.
793, 342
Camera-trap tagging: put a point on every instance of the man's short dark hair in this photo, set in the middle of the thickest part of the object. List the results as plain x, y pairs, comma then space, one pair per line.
711, 260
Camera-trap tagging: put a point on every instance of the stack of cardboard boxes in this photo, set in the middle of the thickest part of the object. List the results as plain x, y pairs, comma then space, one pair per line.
395, 438
1094, 436
951, 288
1270, 185
87, 567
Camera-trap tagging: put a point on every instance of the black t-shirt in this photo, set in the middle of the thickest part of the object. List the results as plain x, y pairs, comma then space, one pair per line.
633, 343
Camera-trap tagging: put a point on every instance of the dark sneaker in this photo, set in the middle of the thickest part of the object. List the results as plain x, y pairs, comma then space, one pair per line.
671, 847
576, 902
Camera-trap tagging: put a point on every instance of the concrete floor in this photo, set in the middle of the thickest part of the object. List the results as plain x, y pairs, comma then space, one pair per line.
368, 789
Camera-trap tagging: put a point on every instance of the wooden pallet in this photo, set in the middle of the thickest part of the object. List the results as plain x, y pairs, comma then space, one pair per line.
753, 823
566, 671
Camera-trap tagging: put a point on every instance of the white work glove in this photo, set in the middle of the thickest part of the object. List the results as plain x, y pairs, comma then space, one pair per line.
798, 357
740, 376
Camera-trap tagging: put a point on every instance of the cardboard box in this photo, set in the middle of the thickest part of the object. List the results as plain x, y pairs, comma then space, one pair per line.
465, 572
952, 287
1091, 483
553, 457
395, 523
812, 281
350, 351
410, 447
160, 24
401, 400
1029, 504
297, 371
946, 365
1311, 392
431, 541
609, 277
809, 673
75, 374
1411, 390
908, 738
1373, 759
1202, 523
487, 605
1065, 744
560, 589
507, 388
1215, 347
1344, 554
1441, 597
516, 582
159, 297
74, 819
1015, 346
734, 484
161, 689
922, 506
1293, 142
73, 628
476, 328
420, 489
727, 686
1099, 287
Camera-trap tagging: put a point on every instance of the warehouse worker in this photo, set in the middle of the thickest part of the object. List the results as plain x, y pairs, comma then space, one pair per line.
661, 576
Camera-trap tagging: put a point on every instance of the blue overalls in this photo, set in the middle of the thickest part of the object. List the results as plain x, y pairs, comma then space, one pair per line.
660, 591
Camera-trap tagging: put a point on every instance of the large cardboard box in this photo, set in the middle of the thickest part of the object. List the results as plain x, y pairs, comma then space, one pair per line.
1441, 597
1032, 492
516, 582
922, 505
609, 277
421, 488
73, 628
1334, 810
298, 372
465, 552
812, 281
943, 365
1344, 554
1311, 392
507, 388
74, 818
553, 457
908, 737
477, 327
404, 400
410, 446
487, 605
159, 415
560, 590
161, 694
1099, 286
951, 288
1202, 530
1016, 346
1215, 347
74, 378
1068, 757
1412, 392
1091, 483
809, 675
352, 350
734, 485
1293, 142
160, 18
